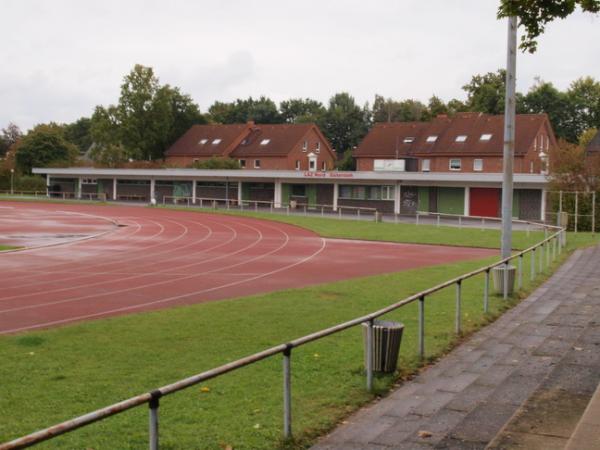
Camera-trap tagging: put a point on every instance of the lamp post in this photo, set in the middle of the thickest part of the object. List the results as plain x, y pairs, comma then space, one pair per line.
12, 181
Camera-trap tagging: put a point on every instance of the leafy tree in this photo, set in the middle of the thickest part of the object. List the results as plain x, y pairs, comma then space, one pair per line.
455, 106
110, 155
148, 118
586, 137
435, 107
301, 110
543, 97
344, 122
347, 162
584, 105
534, 15
10, 136
262, 110
216, 163
44, 145
78, 133
485, 93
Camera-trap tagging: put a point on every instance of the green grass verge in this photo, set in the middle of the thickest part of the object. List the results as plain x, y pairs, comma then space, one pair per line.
7, 247
53, 375
392, 232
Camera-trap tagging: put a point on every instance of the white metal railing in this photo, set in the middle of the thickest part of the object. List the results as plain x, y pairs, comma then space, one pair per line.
548, 250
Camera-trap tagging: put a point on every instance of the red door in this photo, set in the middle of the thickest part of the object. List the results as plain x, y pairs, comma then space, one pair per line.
484, 202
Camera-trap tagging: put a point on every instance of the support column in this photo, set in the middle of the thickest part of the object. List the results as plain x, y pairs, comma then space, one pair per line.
79, 187
336, 195
152, 189
48, 184
397, 198
239, 192
114, 196
543, 206
277, 194
467, 201
194, 186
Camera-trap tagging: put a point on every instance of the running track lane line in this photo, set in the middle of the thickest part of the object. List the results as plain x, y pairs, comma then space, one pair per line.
169, 299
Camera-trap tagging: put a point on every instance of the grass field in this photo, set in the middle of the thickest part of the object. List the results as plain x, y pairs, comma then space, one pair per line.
400, 232
6, 247
49, 376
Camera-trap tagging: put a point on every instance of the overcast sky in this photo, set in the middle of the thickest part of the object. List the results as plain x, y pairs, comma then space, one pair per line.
60, 58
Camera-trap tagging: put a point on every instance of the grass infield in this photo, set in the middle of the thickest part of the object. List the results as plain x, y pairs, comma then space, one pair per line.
52, 375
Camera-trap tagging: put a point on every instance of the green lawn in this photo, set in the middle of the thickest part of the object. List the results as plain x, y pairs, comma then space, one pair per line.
400, 232
6, 247
49, 376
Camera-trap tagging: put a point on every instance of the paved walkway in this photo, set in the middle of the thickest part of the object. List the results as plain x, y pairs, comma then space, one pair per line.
522, 382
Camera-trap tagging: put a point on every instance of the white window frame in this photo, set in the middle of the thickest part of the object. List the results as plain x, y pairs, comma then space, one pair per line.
455, 169
312, 164
216, 141
478, 167
257, 163
387, 192
243, 163
202, 141
318, 147
425, 165
323, 166
461, 138
409, 139
297, 164
89, 181
485, 137
431, 139
305, 146
265, 141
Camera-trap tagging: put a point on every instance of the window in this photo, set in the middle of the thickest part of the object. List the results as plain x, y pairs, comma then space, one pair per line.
461, 138
478, 165
216, 141
242, 163
455, 164
196, 160
298, 190
425, 165
311, 164
318, 147
202, 141
431, 139
297, 165
305, 146
485, 137
408, 140
265, 141
387, 192
89, 181
323, 166
345, 191
257, 163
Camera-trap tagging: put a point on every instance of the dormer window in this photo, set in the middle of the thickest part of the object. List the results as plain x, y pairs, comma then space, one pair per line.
202, 141
265, 141
431, 139
485, 137
216, 141
409, 139
461, 138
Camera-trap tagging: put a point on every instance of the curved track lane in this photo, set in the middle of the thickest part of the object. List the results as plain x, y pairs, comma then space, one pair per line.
158, 258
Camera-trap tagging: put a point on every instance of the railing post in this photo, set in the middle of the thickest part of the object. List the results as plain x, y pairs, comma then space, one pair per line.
520, 272
153, 422
416, 221
548, 255
370, 356
339, 212
458, 308
541, 258
459, 222
358, 213
576, 210
287, 393
486, 292
422, 327
438, 220
505, 281
532, 274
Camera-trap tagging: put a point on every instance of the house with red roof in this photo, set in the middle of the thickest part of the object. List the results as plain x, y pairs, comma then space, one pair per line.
465, 142
299, 147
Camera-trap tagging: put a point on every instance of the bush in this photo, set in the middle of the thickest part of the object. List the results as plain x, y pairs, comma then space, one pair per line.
215, 163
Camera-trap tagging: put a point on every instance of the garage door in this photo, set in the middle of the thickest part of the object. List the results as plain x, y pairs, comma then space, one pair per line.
451, 200
484, 202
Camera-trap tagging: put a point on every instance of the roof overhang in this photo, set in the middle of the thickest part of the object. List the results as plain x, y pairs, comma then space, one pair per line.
534, 181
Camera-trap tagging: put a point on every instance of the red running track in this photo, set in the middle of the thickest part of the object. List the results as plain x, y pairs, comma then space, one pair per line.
99, 261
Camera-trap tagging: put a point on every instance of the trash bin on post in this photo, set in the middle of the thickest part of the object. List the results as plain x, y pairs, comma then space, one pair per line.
498, 276
387, 336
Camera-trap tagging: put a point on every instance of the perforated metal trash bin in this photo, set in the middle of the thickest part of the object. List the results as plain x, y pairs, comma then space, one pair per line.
387, 336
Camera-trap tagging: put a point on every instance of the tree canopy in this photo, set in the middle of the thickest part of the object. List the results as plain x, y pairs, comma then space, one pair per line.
8, 137
534, 15
43, 146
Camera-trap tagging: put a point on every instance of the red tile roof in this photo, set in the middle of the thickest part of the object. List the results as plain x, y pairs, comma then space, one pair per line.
191, 143
243, 140
390, 139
